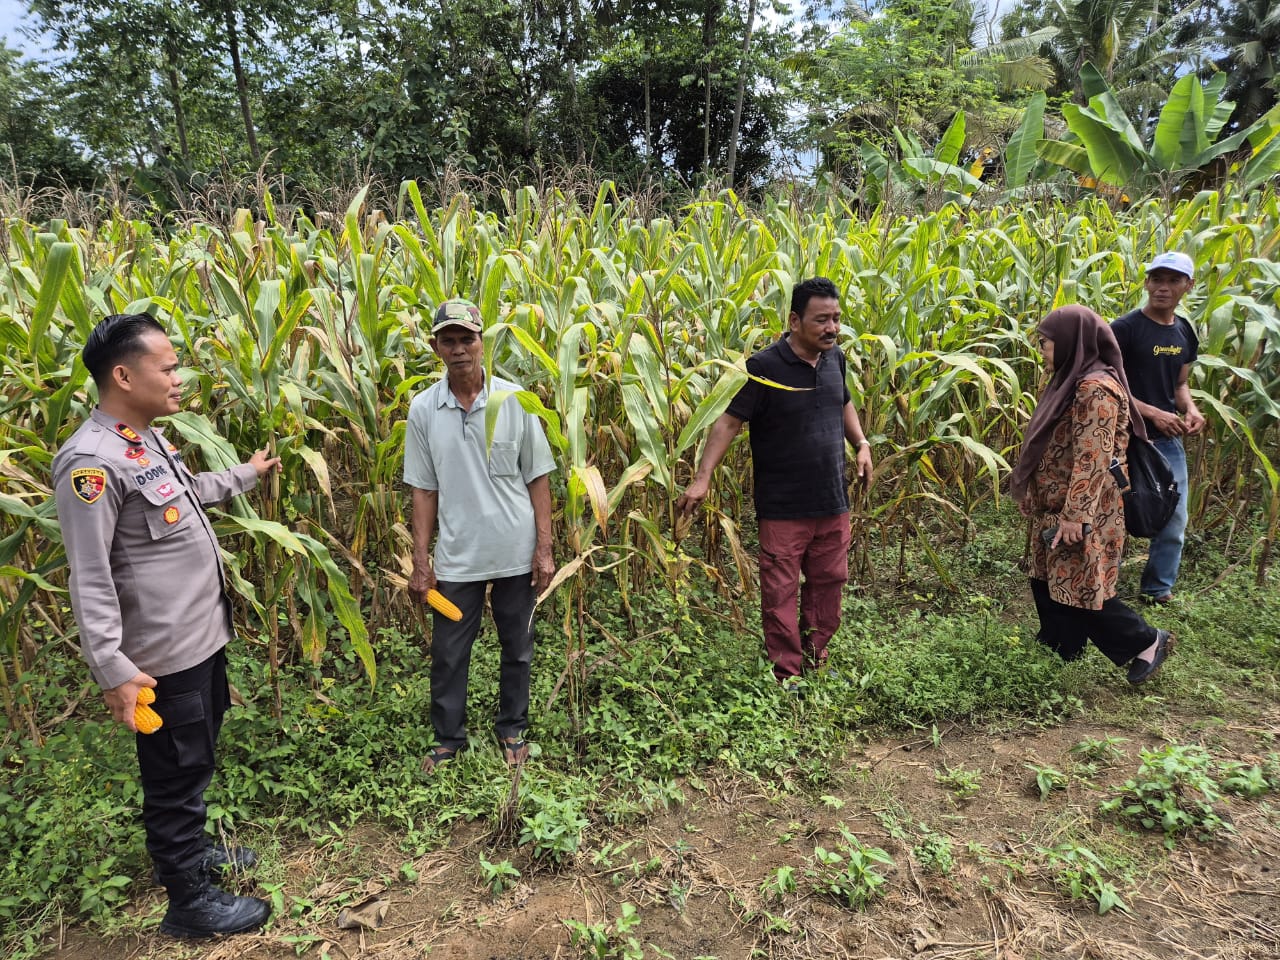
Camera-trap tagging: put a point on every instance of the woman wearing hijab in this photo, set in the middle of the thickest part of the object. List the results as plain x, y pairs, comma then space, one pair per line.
1062, 481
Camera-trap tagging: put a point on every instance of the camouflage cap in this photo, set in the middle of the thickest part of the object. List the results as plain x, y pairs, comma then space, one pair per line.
458, 313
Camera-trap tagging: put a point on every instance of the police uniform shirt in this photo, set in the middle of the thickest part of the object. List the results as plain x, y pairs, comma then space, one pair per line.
147, 584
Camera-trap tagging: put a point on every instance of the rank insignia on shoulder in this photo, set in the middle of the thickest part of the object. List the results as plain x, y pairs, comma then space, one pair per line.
135, 453
128, 433
89, 483
171, 515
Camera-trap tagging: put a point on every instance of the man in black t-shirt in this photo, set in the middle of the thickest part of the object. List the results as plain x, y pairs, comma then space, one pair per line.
1159, 347
798, 460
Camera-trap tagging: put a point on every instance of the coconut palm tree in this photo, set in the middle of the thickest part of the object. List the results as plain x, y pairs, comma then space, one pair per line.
1249, 30
1130, 42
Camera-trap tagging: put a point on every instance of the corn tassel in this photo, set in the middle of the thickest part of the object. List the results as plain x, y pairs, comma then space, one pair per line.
146, 719
443, 605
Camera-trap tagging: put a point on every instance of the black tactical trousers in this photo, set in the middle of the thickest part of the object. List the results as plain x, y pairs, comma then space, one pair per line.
177, 764
1118, 631
512, 600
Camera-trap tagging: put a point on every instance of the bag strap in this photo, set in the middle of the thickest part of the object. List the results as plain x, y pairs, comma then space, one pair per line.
1117, 471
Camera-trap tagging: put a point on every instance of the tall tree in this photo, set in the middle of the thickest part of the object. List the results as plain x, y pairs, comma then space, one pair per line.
710, 19
1249, 32
904, 68
229, 18
743, 69
675, 137
37, 153
125, 69
1130, 42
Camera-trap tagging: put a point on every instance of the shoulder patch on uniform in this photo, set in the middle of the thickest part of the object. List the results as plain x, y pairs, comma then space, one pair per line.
171, 515
89, 483
128, 433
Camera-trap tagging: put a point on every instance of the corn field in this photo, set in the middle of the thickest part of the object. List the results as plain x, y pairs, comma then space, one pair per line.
310, 336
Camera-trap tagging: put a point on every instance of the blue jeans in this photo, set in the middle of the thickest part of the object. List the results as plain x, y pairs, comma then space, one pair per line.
1165, 555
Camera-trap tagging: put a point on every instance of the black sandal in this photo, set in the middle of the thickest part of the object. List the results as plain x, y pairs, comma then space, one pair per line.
437, 757
514, 750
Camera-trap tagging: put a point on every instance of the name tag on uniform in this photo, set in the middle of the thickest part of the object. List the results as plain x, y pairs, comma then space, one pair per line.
154, 473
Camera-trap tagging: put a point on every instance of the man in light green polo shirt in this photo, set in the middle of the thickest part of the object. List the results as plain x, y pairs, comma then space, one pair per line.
490, 512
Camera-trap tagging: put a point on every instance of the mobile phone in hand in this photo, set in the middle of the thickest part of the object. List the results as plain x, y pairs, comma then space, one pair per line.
1052, 532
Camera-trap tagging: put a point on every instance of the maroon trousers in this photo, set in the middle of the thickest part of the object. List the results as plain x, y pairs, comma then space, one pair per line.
818, 548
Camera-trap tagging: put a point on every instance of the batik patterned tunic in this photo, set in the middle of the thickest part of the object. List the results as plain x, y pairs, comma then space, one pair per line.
1072, 483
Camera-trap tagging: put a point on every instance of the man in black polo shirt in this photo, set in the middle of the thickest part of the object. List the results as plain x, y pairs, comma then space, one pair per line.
1158, 347
798, 460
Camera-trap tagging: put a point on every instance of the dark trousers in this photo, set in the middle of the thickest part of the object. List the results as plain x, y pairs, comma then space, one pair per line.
818, 548
1118, 631
512, 600
176, 764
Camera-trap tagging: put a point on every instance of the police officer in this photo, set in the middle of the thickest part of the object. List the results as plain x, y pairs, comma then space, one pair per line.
149, 593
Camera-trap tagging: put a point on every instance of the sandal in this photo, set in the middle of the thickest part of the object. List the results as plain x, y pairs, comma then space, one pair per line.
437, 757
514, 750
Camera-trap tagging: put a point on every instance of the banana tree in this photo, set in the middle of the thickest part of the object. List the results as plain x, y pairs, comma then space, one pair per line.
1106, 145
919, 170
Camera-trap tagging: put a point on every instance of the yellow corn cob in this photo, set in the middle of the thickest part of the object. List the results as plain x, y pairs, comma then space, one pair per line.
148, 720
443, 605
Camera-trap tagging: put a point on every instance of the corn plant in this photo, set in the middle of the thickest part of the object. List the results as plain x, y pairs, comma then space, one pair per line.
629, 334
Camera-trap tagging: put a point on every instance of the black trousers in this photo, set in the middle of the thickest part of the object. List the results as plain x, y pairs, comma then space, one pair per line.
512, 600
1117, 630
177, 761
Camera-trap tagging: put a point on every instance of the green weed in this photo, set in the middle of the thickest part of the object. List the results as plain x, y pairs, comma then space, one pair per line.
1103, 750
1173, 792
1081, 875
554, 828
1047, 779
849, 873
963, 784
498, 878
1246, 780
779, 883
604, 941
933, 852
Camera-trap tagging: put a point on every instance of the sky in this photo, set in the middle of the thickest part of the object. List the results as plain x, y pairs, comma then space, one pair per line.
12, 13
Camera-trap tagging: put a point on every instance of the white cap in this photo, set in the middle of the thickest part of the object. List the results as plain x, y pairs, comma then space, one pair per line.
1172, 260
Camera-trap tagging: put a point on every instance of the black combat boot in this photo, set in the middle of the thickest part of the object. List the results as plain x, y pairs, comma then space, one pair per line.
198, 909
220, 860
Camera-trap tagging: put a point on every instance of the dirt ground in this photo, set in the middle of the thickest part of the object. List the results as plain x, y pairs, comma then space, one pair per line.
695, 872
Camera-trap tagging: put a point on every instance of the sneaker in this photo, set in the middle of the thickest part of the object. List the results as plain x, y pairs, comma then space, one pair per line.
1140, 671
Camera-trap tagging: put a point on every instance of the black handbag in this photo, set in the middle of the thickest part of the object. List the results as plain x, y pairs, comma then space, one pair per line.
1150, 492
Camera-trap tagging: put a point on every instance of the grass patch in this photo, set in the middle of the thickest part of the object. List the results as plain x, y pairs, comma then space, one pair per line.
690, 693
